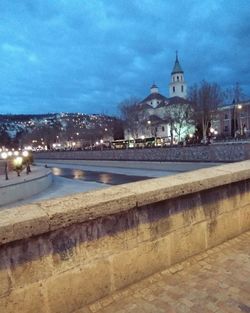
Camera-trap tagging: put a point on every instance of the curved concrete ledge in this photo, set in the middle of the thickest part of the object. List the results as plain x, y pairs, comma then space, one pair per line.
25, 186
35, 219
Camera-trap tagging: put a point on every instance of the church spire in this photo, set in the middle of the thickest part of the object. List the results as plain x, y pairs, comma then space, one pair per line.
177, 67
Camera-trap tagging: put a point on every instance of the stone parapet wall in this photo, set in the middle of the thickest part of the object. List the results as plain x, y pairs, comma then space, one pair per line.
59, 255
211, 153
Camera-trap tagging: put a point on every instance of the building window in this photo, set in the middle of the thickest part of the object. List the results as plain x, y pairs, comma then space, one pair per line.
226, 117
178, 78
163, 128
226, 128
182, 89
173, 88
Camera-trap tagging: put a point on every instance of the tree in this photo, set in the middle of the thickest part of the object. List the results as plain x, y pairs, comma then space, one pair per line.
5, 139
205, 99
130, 114
179, 117
117, 129
234, 94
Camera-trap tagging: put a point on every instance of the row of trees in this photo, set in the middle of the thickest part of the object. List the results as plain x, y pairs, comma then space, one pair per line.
202, 104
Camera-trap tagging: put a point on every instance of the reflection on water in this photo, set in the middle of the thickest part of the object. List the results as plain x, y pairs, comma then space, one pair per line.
99, 177
57, 171
78, 174
105, 178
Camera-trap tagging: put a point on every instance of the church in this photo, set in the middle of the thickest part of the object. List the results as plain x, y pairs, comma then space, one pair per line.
155, 111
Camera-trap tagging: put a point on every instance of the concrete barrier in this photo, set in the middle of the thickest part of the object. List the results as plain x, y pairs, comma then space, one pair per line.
211, 153
59, 255
25, 186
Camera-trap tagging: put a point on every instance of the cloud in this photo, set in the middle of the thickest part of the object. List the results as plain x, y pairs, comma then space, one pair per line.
88, 56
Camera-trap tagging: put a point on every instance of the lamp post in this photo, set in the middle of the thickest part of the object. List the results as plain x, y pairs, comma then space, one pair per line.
236, 108
149, 124
4, 156
27, 161
18, 164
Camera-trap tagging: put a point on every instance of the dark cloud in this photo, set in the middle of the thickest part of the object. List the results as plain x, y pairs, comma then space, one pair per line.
88, 56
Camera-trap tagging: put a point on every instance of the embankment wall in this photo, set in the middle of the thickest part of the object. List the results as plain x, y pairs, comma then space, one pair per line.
210, 153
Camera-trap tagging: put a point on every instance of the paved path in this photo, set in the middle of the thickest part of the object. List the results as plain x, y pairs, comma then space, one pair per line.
217, 281
14, 179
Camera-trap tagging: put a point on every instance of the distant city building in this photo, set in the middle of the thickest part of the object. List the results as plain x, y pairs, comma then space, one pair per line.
232, 121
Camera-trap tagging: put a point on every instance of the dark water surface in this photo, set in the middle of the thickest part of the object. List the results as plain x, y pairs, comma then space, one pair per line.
98, 177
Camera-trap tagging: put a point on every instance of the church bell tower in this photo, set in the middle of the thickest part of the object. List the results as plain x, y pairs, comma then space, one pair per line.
177, 86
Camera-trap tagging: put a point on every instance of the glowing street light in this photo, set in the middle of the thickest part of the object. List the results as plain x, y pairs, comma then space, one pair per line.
25, 154
18, 164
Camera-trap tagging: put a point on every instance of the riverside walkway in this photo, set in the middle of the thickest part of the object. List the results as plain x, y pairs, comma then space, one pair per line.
217, 281
17, 188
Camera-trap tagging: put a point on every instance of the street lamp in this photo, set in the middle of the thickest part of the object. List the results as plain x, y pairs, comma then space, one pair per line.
27, 161
18, 164
236, 108
4, 156
149, 124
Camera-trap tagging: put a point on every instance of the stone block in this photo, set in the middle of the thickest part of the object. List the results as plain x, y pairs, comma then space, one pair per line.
133, 265
222, 228
29, 261
74, 289
244, 218
187, 241
24, 300
87, 206
22, 222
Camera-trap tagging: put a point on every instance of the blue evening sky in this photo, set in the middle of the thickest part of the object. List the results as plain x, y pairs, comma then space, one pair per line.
88, 55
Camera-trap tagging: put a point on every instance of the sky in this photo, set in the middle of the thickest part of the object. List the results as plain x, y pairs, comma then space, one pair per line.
89, 55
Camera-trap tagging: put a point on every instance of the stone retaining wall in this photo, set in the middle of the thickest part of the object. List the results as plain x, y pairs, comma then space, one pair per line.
56, 256
211, 153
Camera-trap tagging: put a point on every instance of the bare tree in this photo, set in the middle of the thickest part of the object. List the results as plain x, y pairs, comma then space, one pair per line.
205, 99
130, 114
234, 94
179, 117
